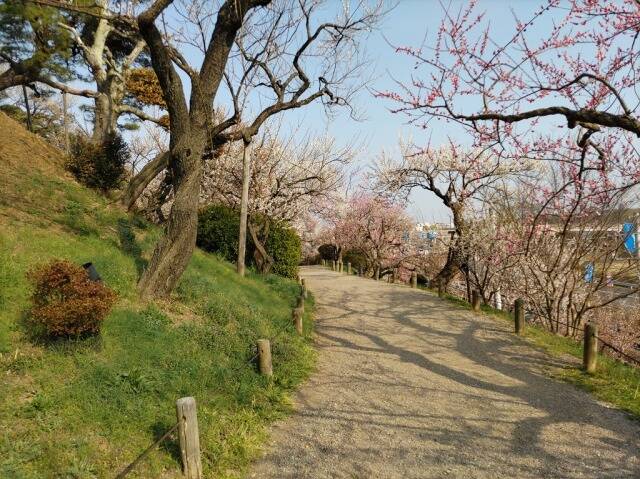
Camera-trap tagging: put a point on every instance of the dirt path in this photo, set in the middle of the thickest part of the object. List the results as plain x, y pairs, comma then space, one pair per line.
408, 386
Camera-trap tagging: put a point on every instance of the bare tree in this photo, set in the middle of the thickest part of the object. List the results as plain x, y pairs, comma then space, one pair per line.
282, 75
457, 177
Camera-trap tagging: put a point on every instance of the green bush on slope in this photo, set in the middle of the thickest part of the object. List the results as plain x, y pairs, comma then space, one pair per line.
218, 228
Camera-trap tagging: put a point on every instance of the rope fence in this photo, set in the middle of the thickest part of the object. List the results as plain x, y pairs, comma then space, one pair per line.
187, 423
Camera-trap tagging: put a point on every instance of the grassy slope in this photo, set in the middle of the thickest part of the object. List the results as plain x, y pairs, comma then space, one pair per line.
87, 408
614, 381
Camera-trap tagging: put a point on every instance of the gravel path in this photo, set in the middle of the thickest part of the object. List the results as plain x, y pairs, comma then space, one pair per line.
408, 386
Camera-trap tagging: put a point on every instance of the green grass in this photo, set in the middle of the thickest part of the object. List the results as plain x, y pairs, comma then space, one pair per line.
86, 408
614, 382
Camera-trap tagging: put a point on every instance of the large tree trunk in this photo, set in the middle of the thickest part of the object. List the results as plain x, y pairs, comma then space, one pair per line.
188, 135
110, 93
138, 183
244, 207
456, 257
264, 261
173, 252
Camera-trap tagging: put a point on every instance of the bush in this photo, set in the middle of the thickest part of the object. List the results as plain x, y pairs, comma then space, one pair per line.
357, 259
66, 302
218, 228
285, 247
99, 166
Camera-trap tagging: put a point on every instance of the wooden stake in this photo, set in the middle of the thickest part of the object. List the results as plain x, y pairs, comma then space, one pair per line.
297, 319
189, 438
519, 316
475, 300
348, 268
300, 303
264, 357
414, 280
590, 351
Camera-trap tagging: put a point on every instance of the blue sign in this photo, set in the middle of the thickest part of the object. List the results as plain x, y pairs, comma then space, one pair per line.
588, 273
628, 229
432, 235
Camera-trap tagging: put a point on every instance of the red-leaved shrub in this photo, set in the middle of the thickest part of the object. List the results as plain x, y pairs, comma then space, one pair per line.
66, 302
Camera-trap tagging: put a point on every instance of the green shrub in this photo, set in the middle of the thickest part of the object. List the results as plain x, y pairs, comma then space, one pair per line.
99, 166
285, 247
218, 228
357, 259
66, 302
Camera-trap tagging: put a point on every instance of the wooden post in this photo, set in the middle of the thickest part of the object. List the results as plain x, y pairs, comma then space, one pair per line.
475, 300
300, 303
414, 280
340, 264
376, 274
348, 268
333, 265
590, 351
264, 357
519, 316
440, 291
297, 319
189, 438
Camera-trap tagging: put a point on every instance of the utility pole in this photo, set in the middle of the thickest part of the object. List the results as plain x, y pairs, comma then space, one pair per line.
244, 206
64, 122
26, 104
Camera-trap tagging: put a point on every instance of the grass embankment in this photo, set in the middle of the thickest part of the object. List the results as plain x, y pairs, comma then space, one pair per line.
86, 408
614, 382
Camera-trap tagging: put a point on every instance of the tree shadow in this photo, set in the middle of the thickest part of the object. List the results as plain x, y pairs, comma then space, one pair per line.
129, 244
495, 377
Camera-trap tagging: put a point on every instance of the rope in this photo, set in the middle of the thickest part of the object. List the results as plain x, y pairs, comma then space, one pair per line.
146, 452
130, 467
578, 328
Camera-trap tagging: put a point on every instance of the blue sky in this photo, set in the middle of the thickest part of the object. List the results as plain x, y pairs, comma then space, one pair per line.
407, 24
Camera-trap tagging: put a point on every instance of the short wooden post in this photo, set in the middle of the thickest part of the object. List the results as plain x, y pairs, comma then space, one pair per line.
519, 315
376, 274
300, 303
590, 351
440, 291
333, 265
264, 357
189, 438
348, 268
414, 280
340, 266
304, 288
297, 319
475, 300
